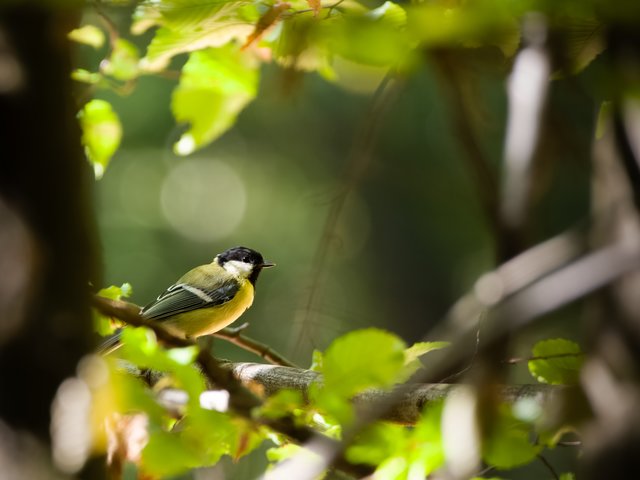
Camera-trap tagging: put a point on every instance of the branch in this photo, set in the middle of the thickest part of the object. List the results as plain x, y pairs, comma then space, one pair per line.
411, 398
130, 313
241, 400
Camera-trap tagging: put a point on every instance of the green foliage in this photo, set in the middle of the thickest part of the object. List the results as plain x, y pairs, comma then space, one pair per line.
140, 348
399, 452
88, 35
105, 325
414, 352
556, 361
362, 359
101, 133
123, 62
508, 442
216, 84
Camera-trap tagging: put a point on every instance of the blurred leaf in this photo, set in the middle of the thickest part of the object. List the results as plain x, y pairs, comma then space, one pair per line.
301, 45
604, 118
139, 346
425, 443
122, 64
567, 476
88, 35
104, 325
557, 361
362, 359
507, 443
116, 293
376, 443
412, 356
216, 84
101, 133
282, 403
473, 24
168, 454
190, 25
377, 37
316, 361
583, 40
85, 76
266, 20
283, 452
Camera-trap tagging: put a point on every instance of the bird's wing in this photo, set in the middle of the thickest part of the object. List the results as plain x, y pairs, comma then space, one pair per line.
180, 298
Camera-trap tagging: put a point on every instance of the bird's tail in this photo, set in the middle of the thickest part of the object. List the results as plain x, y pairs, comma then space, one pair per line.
110, 344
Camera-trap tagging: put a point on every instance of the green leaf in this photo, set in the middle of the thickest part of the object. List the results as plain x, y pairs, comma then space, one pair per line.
85, 76
116, 293
427, 452
473, 24
88, 35
508, 444
377, 37
101, 133
216, 84
376, 443
284, 402
190, 25
105, 325
316, 361
122, 64
362, 359
556, 361
139, 347
414, 352
167, 454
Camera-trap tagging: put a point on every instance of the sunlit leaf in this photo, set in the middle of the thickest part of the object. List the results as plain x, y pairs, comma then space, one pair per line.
88, 35
191, 25
168, 454
282, 403
376, 443
116, 293
376, 38
106, 325
216, 84
85, 76
101, 133
140, 347
316, 361
122, 64
414, 352
472, 24
556, 361
508, 442
362, 359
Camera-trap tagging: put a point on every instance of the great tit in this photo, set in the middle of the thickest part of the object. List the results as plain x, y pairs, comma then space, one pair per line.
207, 298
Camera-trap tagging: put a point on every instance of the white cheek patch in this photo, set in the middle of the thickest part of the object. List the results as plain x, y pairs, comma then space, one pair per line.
237, 268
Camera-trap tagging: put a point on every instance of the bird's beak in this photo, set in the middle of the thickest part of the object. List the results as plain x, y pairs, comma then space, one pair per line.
267, 265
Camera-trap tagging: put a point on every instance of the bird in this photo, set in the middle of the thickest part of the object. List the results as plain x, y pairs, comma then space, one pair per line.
205, 299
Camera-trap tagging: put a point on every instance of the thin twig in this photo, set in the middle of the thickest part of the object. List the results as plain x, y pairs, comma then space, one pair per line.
233, 335
546, 463
513, 361
359, 161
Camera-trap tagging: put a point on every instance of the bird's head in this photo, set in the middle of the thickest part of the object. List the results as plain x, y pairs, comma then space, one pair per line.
243, 262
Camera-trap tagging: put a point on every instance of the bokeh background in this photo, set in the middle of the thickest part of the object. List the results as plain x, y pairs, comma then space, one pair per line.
411, 238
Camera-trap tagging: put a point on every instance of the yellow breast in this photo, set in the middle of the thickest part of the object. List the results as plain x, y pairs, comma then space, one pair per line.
206, 321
